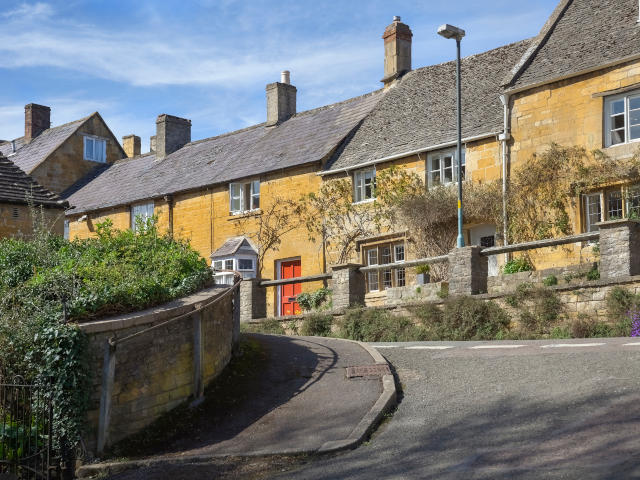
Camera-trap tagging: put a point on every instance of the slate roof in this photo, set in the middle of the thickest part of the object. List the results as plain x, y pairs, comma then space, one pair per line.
16, 186
305, 138
6, 149
231, 247
420, 111
28, 156
580, 35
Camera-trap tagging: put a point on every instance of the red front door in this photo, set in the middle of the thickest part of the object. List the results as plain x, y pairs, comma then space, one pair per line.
288, 293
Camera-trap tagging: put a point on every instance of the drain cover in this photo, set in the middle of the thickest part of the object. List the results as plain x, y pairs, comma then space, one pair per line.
368, 371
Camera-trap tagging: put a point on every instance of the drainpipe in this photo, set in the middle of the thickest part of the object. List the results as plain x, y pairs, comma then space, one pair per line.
504, 137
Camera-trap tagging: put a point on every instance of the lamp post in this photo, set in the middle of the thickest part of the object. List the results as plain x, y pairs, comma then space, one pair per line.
449, 31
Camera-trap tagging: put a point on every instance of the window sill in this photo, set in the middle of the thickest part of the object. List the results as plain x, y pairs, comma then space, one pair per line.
623, 150
362, 202
245, 213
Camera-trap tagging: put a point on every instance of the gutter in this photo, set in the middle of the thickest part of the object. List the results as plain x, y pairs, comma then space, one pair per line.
504, 137
407, 154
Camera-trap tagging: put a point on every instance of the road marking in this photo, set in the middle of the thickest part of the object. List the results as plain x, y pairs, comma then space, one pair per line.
429, 347
497, 346
385, 346
632, 344
572, 345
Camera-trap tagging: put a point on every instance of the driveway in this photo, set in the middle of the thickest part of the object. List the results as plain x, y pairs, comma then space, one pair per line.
566, 409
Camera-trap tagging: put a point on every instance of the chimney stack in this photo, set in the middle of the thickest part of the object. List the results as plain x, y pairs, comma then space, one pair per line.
37, 119
172, 133
152, 143
397, 51
131, 145
281, 100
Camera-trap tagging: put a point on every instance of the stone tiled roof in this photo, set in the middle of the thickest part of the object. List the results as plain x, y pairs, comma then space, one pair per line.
231, 247
16, 186
420, 111
305, 138
6, 148
29, 155
580, 35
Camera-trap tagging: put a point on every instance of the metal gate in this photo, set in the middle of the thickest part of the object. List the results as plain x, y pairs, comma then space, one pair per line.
27, 444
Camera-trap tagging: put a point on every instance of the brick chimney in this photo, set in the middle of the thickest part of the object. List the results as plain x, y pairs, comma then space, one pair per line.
172, 133
281, 100
152, 143
397, 51
37, 118
131, 145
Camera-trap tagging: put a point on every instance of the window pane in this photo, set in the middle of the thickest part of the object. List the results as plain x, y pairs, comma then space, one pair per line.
217, 265
228, 264
593, 211
617, 136
399, 251
385, 254
400, 277
634, 117
387, 281
617, 106
88, 148
235, 197
98, 150
372, 281
614, 205
634, 133
634, 202
634, 102
372, 256
255, 194
488, 241
617, 122
448, 170
245, 264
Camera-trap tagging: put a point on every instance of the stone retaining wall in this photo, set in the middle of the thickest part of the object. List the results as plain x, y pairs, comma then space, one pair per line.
154, 372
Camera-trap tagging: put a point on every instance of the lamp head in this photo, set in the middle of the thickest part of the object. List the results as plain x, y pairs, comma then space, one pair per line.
449, 31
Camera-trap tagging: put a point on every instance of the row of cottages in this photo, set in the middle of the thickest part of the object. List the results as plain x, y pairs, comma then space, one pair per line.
576, 83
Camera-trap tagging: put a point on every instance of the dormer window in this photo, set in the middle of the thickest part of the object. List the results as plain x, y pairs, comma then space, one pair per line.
622, 118
95, 149
244, 197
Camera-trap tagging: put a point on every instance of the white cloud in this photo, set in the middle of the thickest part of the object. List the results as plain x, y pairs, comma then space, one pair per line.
30, 11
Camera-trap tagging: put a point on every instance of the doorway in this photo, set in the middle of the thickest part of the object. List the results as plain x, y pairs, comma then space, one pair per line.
289, 292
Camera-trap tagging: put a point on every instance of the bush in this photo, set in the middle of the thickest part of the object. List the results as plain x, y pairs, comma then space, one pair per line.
539, 308
271, 326
517, 265
317, 325
593, 274
375, 325
462, 318
550, 281
586, 327
313, 300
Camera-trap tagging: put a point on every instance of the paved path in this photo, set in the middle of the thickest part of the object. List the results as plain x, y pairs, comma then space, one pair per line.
567, 409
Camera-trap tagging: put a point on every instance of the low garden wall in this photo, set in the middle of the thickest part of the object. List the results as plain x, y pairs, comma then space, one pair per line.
180, 348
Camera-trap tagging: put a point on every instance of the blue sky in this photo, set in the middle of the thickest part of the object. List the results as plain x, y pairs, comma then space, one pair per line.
209, 60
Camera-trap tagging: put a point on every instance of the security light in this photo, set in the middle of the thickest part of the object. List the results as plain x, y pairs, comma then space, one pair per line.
449, 31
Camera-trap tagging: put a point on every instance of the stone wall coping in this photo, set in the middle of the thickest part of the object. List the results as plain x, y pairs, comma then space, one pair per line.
617, 223
162, 312
342, 266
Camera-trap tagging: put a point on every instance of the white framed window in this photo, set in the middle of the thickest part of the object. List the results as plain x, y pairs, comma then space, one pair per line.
364, 185
592, 210
223, 267
143, 211
442, 167
66, 230
95, 149
622, 119
244, 197
384, 254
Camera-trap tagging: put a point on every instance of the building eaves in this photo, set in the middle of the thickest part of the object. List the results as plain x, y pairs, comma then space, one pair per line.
19, 188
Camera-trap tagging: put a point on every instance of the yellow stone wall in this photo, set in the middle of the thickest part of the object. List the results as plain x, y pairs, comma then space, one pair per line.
567, 113
65, 166
22, 226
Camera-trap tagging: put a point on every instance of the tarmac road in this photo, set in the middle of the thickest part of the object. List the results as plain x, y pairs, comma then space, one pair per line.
492, 410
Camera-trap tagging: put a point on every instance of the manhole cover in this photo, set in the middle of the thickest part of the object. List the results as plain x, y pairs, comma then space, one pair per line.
368, 371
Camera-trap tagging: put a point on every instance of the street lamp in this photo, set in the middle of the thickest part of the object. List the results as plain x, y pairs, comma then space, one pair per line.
449, 31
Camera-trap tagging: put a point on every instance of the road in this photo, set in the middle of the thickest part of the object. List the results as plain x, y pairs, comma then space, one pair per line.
567, 409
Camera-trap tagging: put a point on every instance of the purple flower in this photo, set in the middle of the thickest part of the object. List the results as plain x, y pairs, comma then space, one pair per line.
634, 316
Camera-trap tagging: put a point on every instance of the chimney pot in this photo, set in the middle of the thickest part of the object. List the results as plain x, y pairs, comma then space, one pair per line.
397, 51
396, 18
281, 100
172, 133
131, 145
37, 119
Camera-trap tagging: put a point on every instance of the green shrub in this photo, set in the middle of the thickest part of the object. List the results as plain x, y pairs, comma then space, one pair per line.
375, 325
313, 300
620, 301
516, 265
587, 327
561, 331
317, 325
444, 291
539, 309
424, 268
550, 281
462, 318
593, 274
271, 326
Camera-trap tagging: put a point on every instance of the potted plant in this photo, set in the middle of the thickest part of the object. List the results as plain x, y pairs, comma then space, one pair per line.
422, 276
